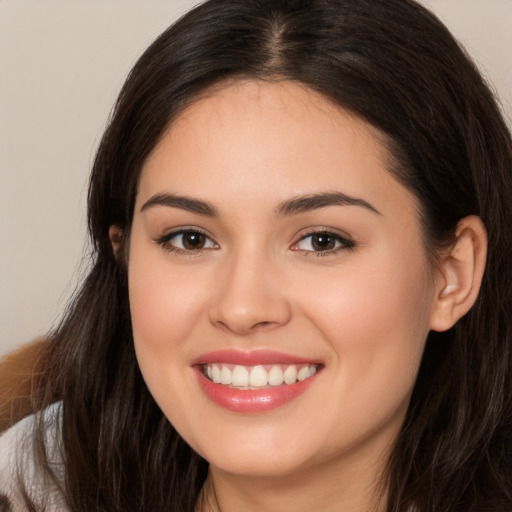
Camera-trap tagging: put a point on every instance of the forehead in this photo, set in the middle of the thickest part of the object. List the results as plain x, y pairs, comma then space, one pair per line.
269, 139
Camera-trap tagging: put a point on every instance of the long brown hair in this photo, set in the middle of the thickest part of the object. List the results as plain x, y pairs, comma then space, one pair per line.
392, 63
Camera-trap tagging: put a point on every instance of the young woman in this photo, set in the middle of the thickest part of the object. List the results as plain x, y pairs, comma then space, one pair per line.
301, 290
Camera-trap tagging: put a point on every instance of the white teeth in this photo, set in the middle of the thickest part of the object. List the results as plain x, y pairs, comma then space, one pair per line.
258, 376
225, 375
290, 374
303, 373
216, 374
275, 376
240, 377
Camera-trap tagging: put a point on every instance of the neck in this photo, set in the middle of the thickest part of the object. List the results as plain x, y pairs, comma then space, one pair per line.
333, 486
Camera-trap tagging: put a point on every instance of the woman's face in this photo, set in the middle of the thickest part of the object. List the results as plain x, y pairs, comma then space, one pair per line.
270, 243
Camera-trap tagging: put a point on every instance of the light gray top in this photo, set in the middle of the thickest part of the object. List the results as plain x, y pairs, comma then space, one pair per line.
17, 459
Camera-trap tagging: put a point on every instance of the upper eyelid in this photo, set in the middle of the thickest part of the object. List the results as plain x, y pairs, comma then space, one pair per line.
184, 229
164, 242
322, 229
347, 242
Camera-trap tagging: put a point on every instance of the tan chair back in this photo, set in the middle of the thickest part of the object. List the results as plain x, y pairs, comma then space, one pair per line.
20, 376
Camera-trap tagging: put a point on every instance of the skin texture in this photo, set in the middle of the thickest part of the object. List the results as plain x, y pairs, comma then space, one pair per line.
258, 283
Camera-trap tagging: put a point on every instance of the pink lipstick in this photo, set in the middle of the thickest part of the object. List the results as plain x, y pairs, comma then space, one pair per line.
254, 381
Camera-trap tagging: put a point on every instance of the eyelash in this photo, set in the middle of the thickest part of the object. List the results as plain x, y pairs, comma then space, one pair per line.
341, 243
165, 242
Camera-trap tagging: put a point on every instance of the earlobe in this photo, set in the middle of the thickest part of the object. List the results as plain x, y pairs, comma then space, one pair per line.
461, 273
115, 233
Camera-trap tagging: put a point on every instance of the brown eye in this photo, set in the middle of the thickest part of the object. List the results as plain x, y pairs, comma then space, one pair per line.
192, 240
323, 241
187, 240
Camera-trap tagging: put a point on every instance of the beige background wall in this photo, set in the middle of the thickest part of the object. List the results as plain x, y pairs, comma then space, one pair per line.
61, 64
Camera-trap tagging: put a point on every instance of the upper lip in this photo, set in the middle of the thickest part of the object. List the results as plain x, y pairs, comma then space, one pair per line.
250, 358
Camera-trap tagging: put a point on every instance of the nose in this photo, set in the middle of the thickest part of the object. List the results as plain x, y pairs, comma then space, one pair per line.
252, 296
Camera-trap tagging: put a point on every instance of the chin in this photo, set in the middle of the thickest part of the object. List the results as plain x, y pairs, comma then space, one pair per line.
259, 454
258, 465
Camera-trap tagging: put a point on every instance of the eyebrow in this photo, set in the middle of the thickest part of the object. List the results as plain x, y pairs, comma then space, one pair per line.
307, 203
292, 206
181, 202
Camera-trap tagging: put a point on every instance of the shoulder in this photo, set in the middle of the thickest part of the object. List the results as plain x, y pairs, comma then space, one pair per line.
19, 464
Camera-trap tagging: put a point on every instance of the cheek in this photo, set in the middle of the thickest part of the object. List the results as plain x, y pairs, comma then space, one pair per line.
165, 303
165, 307
381, 291
376, 318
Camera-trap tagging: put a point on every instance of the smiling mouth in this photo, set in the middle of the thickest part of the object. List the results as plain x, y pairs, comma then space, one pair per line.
259, 376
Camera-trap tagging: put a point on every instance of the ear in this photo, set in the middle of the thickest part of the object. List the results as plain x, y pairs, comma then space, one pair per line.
115, 233
460, 275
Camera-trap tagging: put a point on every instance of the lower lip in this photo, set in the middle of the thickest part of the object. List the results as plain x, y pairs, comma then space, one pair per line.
252, 400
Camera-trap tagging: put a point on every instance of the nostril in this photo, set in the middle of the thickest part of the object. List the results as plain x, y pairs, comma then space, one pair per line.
241, 327
246, 309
